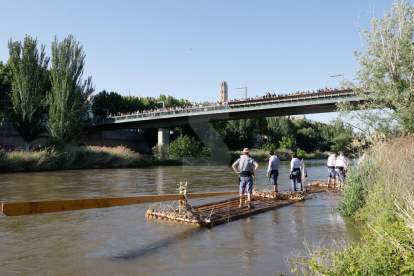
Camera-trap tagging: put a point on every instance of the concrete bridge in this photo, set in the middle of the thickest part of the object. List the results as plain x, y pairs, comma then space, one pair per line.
268, 107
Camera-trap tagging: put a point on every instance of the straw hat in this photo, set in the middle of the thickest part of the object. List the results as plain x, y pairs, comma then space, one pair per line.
245, 150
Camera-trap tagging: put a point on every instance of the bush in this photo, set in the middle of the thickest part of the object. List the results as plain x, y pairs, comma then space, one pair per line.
184, 147
56, 143
268, 146
301, 153
355, 192
287, 143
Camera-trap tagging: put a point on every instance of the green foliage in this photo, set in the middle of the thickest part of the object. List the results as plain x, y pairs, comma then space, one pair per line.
268, 146
287, 143
56, 143
355, 191
68, 98
184, 147
30, 82
261, 126
301, 153
386, 67
104, 100
116, 103
279, 127
380, 193
306, 138
72, 159
239, 134
327, 132
5, 82
342, 143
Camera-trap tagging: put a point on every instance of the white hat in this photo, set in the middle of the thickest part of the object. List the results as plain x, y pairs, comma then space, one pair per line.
245, 150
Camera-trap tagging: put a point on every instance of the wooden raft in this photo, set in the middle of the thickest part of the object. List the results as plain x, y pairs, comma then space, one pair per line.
216, 213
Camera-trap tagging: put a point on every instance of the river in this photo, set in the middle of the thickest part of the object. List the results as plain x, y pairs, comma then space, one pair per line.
121, 241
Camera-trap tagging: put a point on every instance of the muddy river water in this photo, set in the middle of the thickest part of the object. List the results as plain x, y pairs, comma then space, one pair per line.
121, 241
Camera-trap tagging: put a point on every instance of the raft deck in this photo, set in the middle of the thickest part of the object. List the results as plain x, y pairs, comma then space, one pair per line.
219, 212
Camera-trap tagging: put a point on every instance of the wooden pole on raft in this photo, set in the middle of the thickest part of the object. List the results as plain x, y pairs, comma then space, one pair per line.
40, 207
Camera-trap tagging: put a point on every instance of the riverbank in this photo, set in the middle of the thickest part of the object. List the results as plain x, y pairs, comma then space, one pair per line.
381, 195
93, 157
90, 157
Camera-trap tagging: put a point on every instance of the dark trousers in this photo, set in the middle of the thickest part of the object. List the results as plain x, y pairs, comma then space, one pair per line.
274, 174
297, 177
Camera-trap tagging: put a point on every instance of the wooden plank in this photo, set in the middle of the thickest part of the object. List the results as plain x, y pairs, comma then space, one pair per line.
40, 207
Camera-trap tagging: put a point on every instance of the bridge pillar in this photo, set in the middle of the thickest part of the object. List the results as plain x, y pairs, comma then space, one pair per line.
163, 136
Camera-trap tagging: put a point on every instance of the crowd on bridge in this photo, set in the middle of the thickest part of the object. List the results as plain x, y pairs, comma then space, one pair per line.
268, 95
188, 106
194, 105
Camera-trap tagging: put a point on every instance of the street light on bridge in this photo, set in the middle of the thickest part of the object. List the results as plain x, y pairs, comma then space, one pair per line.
338, 75
245, 91
163, 104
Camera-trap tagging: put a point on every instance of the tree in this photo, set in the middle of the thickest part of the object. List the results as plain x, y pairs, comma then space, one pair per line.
104, 100
239, 134
386, 71
306, 139
279, 127
29, 84
261, 127
5, 81
342, 143
68, 98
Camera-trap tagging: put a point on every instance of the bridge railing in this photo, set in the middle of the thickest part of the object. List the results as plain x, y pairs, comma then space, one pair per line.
229, 106
310, 96
165, 113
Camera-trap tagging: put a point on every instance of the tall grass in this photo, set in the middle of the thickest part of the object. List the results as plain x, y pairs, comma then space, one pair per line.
90, 157
380, 194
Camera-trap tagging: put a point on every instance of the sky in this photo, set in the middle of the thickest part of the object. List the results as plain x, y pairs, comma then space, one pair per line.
186, 48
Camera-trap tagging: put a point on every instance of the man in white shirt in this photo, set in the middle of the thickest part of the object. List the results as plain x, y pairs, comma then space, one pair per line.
296, 175
340, 166
361, 160
331, 168
273, 169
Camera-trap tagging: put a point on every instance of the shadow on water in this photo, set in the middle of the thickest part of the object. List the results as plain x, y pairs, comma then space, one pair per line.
163, 243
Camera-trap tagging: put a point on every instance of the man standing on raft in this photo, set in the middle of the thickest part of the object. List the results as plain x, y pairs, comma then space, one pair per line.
331, 168
245, 173
273, 169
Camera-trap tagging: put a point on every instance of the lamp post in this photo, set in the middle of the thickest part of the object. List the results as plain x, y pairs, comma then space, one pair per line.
338, 75
245, 91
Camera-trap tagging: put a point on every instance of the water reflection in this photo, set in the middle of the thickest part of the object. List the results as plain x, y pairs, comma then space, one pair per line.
157, 245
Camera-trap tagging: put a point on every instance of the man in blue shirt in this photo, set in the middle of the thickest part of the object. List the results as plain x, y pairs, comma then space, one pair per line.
245, 173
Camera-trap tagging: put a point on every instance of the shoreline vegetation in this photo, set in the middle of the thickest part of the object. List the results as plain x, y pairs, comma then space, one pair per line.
93, 157
379, 198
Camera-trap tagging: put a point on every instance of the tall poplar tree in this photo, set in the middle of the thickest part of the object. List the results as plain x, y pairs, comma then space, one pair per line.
68, 98
29, 83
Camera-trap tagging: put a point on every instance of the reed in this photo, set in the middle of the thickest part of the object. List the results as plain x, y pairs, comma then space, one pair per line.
90, 157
